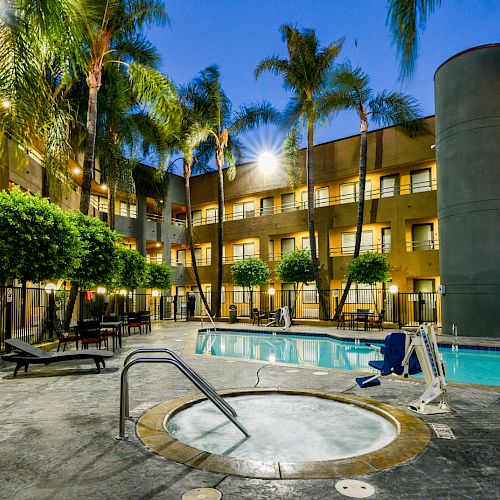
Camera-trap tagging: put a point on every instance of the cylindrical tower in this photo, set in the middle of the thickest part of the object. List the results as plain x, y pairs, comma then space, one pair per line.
467, 92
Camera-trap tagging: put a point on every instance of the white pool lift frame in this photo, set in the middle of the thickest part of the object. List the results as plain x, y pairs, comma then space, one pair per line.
424, 343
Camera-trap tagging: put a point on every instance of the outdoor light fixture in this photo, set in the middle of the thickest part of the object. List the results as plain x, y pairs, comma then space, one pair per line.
272, 358
101, 289
158, 244
267, 161
50, 287
104, 187
393, 289
6, 104
76, 170
155, 293
271, 291
123, 292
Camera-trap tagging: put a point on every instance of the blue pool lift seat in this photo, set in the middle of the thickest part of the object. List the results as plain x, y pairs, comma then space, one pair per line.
394, 352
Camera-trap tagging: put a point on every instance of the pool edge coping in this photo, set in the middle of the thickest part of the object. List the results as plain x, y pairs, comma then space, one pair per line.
413, 436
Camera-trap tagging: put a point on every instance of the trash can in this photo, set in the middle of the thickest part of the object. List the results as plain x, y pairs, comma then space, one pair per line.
232, 313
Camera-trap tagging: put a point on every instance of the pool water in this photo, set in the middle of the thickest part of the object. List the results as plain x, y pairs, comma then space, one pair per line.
465, 365
283, 428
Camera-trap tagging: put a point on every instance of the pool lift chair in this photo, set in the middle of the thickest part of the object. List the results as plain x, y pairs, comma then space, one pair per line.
281, 315
408, 353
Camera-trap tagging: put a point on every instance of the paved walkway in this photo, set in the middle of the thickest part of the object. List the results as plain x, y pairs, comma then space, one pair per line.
58, 423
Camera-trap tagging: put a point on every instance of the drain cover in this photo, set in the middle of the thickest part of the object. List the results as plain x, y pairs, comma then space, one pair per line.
202, 493
354, 489
442, 431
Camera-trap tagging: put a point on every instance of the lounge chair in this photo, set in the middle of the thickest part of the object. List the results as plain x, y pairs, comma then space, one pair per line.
33, 355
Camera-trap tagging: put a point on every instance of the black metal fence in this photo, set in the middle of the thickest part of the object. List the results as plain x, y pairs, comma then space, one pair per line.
34, 315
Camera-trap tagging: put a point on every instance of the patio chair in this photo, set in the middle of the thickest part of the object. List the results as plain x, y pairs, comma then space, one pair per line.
65, 337
134, 321
33, 355
257, 316
89, 332
378, 322
145, 317
342, 321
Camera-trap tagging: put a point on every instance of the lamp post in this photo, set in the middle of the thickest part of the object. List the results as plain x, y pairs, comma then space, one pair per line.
271, 292
393, 289
100, 298
50, 288
155, 294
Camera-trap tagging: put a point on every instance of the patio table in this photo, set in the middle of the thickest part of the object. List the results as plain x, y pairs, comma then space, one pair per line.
359, 317
116, 326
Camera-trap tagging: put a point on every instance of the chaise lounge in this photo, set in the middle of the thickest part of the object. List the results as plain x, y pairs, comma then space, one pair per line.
33, 355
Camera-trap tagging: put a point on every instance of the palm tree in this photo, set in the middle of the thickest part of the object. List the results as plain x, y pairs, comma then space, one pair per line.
305, 74
350, 90
40, 43
206, 94
117, 39
405, 19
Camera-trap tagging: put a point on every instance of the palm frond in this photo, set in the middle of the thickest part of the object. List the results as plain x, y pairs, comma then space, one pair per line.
405, 18
291, 157
251, 116
273, 64
137, 48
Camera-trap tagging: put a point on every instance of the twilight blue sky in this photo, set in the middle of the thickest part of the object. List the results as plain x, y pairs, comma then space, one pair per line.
237, 34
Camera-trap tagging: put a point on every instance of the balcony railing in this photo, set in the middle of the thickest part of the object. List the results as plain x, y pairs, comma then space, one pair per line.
323, 202
189, 263
154, 218
349, 250
276, 256
155, 259
418, 246
178, 222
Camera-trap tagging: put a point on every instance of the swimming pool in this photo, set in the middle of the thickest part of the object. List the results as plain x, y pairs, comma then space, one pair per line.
465, 365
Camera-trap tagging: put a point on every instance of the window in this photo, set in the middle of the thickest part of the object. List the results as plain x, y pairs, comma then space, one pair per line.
197, 218
240, 296
208, 256
198, 256
243, 250
360, 294
267, 206
349, 192
303, 200
349, 242
422, 237
306, 244
288, 202
287, 245
181, 258
180, 291
322, 196
309, 294
211, 215
386, 240
389, 185
421, 180
99, 202
271, 249
128, 210
243, 210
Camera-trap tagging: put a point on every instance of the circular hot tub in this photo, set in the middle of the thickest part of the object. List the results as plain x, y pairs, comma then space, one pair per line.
294, 434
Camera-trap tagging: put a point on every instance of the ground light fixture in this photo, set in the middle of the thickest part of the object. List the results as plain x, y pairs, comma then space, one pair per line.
267, 161
393, 289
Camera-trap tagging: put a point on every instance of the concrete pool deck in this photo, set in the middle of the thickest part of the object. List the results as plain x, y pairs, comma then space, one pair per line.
58, 425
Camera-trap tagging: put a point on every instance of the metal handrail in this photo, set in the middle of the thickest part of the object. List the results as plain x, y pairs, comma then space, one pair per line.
200, 379
124, 406
209, 317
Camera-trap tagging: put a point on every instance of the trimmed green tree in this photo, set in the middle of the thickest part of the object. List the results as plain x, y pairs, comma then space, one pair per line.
98, 257
37, 240
369, 268
250, 273
159, 276
296, 268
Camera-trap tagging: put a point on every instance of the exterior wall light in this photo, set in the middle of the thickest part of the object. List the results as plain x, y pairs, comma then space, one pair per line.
271, 291
393, 289
50, 287
101, 289
123, 292
76, 170
6, 104
155, 293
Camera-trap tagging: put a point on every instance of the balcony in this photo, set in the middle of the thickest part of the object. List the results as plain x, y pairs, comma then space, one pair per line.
419, 246
322, 202
349, 250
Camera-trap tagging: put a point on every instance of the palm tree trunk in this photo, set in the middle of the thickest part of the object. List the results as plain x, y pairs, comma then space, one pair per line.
363, 152
220, 237
310, 214
111, 206
189, 217
88, 161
